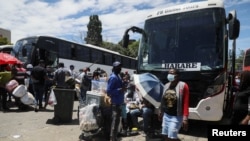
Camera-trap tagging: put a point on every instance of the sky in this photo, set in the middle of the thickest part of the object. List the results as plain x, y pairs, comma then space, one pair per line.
68, 19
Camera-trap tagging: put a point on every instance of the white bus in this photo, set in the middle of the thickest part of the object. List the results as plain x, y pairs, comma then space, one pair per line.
54, 50
6, 48
193, 38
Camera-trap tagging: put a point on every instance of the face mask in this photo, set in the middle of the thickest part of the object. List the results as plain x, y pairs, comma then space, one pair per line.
28, 72
171, 77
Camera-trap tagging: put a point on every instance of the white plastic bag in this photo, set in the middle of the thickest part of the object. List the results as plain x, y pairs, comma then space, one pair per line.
20, 91
87, 119
52, 99
28, 99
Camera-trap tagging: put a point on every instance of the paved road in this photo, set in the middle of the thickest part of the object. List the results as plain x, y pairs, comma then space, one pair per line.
28, 125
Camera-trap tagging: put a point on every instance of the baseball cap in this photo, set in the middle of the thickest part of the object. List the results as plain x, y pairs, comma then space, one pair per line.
29, 66
116, 63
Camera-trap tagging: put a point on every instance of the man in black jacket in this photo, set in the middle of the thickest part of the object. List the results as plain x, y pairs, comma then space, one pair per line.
38, 76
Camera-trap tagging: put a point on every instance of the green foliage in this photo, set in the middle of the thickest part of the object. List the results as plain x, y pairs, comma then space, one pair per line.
3, 41
112, 46
94, 31
94, 37
133, 49
239, 60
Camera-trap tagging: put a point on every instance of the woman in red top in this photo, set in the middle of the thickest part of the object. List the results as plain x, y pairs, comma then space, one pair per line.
174, 106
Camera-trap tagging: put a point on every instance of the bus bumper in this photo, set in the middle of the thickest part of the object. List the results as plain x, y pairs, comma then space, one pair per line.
209, 109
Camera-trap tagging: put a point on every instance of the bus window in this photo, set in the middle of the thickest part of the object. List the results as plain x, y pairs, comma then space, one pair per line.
86, 55
125, 62
96, 56
24, 52
73, 52
107, 58
117, 58
65, 50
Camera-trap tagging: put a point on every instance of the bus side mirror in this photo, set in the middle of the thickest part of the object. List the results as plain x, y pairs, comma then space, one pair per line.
234, 29
125, 40
234, 25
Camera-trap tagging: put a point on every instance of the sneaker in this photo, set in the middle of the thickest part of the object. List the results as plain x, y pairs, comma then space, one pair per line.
134, 129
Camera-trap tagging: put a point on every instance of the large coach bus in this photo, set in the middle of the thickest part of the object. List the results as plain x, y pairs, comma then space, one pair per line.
193, 38
54, 50
246, 60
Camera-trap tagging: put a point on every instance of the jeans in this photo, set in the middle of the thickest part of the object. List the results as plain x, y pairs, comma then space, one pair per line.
116, 115
83, 93
107, 120
171, 125
38, 91
146, 114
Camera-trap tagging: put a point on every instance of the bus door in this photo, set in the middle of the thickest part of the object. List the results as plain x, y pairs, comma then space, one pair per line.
50, 57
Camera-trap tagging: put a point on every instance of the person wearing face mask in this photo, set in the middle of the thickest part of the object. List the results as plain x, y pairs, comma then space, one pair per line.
116, 90
174, 108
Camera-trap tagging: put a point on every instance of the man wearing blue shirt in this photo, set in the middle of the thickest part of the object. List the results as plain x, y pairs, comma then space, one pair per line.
115, 90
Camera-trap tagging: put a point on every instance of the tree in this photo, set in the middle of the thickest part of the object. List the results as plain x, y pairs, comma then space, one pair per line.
239, 60
94, 31
133, 48
114, 47
4, 41
94, 37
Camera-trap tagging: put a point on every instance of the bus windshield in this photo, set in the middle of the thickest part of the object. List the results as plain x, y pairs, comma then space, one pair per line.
192, 37
22, 50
